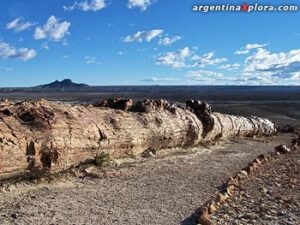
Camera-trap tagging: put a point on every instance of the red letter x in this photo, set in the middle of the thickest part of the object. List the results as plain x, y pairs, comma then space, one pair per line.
245, 7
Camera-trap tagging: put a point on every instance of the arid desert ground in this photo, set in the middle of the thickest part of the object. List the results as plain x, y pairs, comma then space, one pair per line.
168, 188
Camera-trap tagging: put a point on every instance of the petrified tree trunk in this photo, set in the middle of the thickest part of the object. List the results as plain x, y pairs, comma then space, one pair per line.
47, 136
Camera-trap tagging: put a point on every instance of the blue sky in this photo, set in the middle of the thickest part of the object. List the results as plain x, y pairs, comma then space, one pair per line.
146, 42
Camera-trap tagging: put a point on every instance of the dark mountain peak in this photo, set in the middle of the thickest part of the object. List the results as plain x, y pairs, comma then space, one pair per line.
66, 81
64, 84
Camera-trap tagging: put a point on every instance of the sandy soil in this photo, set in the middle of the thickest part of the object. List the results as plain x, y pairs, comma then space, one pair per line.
166, 189
268, 196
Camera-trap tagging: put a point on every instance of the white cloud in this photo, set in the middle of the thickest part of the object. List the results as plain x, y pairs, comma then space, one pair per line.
141, 36
142, 4
8, 51
206, 77
245, 50
45, 46
148, 36
26, 54
161, 79
19, 25
52, 30
207, 60
187, 58
230, 67
138, 36
176, 59
91, 60
260, 66
277, 65
199, 74
254, 80
87, 5
152, 34
194, 79
7, 69
168, 40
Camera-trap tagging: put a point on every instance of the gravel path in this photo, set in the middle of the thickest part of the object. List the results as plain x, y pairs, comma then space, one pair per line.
270, 196
160, 190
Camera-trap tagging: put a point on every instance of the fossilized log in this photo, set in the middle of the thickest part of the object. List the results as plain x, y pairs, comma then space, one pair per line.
46, 136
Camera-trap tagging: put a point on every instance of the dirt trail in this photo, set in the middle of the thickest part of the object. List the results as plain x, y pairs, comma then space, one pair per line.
160, 190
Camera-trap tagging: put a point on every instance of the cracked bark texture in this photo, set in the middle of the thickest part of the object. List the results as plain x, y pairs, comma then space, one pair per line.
42, 136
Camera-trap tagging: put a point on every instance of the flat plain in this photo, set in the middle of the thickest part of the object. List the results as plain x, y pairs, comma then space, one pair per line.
166, 189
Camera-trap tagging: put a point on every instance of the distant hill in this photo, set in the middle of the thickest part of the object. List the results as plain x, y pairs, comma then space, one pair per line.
64, 84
